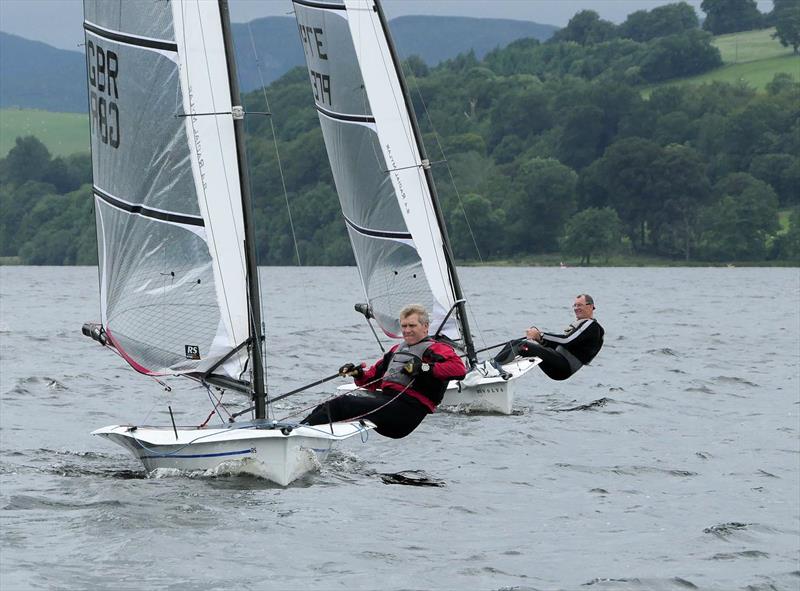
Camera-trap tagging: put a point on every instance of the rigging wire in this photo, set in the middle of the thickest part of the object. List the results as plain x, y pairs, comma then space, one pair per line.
458, 196
275, 142
217, 403
285, 195
449, 170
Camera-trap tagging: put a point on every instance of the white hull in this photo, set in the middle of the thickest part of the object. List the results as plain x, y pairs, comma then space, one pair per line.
280, 456
489, 394
486, 394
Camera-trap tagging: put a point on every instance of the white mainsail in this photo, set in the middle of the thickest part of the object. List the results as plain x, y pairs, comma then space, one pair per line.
166, 186
376, 162
178, 276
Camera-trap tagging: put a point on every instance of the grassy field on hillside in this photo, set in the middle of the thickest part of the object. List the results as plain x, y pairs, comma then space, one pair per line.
750, 57
755, 74
62, 133
750, 46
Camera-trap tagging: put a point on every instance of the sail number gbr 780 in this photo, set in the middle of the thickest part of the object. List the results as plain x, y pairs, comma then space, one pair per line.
103, 67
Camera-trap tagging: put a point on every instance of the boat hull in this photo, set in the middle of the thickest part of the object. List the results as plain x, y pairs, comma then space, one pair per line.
281, 455
490, 394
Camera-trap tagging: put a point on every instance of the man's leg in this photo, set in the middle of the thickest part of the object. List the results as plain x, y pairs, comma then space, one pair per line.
395, 415
554, 364
509, 351
342, 408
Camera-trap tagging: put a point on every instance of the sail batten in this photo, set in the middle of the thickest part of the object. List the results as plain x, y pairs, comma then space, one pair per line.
120, 37
155, 213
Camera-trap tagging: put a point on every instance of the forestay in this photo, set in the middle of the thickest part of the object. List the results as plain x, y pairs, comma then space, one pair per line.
166, 186
376, 161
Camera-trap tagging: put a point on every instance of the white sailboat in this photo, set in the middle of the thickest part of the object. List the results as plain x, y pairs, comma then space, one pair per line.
177, 267
385, 186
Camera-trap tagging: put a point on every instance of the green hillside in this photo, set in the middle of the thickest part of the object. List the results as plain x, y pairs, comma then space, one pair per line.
751, 57
62, 133
750, 46
756, 74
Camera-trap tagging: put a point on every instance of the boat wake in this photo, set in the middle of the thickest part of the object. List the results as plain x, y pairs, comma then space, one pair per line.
600, 403
35, 385
411, 478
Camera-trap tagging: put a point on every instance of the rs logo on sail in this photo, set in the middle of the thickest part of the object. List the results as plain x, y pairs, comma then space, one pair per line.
103, 67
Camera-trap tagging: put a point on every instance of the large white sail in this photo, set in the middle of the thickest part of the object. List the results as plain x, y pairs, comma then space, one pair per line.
376, 162
178, 275
166, 186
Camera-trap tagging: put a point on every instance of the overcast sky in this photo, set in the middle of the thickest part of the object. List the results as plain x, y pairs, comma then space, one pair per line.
58, 22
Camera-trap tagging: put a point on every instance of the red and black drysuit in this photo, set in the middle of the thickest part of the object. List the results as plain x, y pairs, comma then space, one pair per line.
412, 381
561, 354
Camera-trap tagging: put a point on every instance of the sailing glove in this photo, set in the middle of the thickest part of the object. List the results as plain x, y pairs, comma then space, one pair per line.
351, 370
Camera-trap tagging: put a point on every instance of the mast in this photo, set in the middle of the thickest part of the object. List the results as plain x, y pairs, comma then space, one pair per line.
259, 391
448, 251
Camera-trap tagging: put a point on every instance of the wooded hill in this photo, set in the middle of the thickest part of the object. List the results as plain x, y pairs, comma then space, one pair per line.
552, 146
34, 75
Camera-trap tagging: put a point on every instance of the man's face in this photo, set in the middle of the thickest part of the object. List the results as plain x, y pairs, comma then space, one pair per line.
582, 309
413, 330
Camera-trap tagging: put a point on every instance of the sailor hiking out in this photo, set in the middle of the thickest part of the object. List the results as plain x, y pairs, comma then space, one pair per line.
402, 387
562, 354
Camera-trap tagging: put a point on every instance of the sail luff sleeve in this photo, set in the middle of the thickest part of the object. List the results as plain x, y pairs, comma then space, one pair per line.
215, 167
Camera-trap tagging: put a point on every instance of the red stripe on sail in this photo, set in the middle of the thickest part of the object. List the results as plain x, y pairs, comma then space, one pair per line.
131, 361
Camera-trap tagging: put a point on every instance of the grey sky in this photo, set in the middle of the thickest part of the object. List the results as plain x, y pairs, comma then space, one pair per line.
58, 22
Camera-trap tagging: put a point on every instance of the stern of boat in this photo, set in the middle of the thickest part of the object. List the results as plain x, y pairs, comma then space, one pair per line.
487, 393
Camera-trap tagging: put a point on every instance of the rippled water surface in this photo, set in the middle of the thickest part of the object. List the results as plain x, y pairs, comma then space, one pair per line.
673, 462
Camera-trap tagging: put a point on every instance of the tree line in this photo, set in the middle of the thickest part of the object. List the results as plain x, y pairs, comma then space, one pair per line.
552, 147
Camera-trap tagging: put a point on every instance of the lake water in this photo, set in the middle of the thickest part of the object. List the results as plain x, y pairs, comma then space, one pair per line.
673, 462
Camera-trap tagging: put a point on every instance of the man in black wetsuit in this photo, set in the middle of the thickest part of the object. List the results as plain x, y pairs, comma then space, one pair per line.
402, 387
561, 354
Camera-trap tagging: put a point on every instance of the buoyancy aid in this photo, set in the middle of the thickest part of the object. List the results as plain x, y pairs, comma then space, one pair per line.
424, 383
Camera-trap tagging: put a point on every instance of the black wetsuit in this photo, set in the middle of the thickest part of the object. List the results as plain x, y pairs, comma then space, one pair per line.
561, 354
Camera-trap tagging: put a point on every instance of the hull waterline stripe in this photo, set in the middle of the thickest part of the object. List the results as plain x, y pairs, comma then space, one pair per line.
130, 39
149, 213
190, 456
343, 117
378, 233
325, 5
